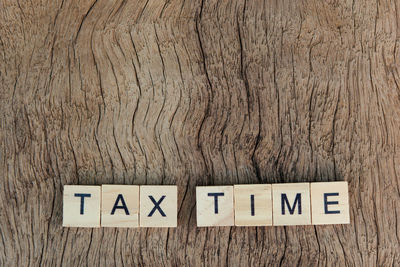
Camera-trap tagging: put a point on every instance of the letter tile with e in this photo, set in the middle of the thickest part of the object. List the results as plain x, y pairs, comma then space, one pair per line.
214, 205
158, 205
291, 204
330, 203
119, 205
81, 206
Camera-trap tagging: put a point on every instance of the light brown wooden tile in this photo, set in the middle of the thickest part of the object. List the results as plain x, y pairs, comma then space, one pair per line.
291, 204
81, 206
120, 206
330, 203
214, 205
253, 205
158, 205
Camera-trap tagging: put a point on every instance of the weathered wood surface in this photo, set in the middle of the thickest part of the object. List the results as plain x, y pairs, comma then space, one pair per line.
199, 93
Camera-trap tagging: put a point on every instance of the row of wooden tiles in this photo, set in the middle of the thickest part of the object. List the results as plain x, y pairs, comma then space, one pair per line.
240, 205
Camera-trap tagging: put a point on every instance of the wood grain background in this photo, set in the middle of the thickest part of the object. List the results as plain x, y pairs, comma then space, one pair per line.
199, 93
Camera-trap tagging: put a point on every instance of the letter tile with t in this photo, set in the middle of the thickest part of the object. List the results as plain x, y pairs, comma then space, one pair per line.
158, 205
214, 205
119, 205
81, 206
330, 203
291, 204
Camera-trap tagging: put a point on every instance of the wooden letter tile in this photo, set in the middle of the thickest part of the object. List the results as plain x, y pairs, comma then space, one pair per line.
291, 204
330, 203
158, 205
120, 206
81, 206
214, 205
253, 205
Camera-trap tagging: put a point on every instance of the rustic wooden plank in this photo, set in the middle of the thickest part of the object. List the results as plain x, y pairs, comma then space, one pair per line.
198, 93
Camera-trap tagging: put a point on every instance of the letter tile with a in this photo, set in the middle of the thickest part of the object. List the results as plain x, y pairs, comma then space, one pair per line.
119, 205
